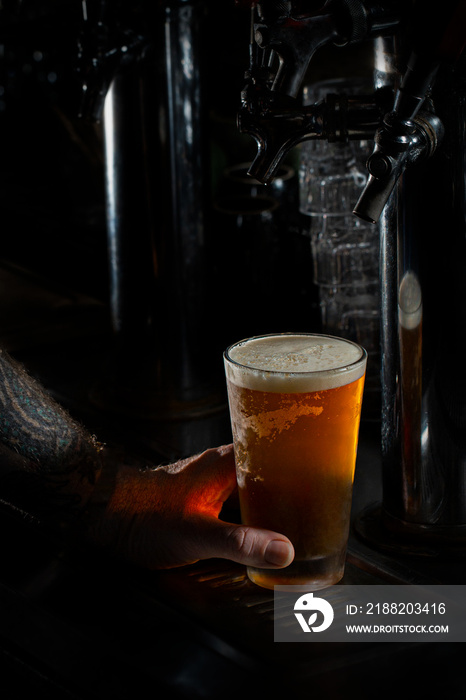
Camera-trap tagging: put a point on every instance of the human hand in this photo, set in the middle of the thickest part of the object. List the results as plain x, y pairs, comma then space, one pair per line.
167, 516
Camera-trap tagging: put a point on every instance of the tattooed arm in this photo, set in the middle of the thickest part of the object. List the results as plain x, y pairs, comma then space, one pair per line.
156, 517
48, 462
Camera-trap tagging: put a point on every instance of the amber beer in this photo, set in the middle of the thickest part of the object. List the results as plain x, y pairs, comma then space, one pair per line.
295, 405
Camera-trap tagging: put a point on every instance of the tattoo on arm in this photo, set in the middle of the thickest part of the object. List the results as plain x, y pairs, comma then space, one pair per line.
50, 463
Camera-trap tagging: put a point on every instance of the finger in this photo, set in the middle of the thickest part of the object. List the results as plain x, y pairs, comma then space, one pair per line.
215, 460
245, 545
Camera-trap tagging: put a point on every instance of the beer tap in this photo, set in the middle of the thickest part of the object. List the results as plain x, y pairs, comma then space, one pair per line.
142, 73
416, 187
399, 143
284, 38
411, 131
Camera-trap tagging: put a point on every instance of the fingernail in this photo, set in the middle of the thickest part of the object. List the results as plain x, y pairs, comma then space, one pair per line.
278, 553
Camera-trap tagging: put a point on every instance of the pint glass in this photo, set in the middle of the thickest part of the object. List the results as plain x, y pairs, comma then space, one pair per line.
295, 406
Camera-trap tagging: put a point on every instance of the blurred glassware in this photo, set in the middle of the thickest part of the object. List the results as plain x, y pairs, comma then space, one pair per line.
345, 250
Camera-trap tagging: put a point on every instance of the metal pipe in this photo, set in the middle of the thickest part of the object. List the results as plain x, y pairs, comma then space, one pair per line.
423, 336
157, 187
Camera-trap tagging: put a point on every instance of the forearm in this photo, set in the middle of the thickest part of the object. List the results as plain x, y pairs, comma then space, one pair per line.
48, 462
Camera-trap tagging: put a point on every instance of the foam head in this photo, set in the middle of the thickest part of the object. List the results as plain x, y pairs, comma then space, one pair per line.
294, 362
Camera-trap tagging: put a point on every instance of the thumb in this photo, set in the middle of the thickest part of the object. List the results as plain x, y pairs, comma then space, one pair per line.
247, 545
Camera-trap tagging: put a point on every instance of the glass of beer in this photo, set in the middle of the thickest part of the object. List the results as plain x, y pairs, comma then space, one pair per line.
295, 406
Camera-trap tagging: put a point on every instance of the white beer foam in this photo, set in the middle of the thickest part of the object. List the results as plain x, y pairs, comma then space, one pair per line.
294, 363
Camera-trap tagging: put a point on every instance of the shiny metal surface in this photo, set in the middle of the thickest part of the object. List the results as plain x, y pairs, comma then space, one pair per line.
157, 189
127, 205
399, 145
424, 438
277, 129
284, 39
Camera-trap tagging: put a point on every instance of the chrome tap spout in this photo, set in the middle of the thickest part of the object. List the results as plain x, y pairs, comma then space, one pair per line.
283, 123
399, 144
